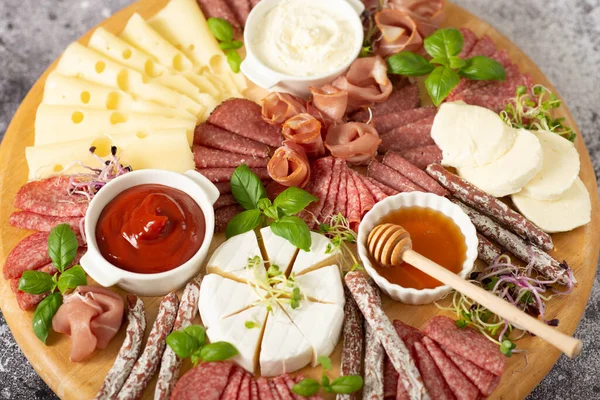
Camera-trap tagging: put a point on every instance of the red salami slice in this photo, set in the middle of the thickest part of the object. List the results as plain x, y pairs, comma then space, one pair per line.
330, 201
406, 98
416, 134
408, 334
207, 381
290, 384
485, 381
496, 96
274, 391
223, 187
432, 377
484, 47
205, 157
31, 253
322, 172
390, 379
225, 200
41, 223
241, 9
423, 156
386, 123
254, 394
469, 40
366, 198
467, 343
353, 344
219, 9
224, 214
264, 390
391, 177
375, 191
274, 189
218, 175
51, 197
458, 383
418, 176
282, 389
244, 117
385, 189
212, 136
340, 202
253, 3
244, 389
352, 203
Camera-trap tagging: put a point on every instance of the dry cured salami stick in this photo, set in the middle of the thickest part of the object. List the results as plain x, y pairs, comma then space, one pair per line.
418, 176
395, 348
170, 364
352, 348
130, 350
205, 157
374, 356
145, 367
423, 156
489, 205
209, 135
390, 177
486, 250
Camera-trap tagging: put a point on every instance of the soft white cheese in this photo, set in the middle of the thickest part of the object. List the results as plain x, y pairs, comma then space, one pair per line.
231, 258
279, 251
317, 256
323, 285
509, 173
571, 210
470, 136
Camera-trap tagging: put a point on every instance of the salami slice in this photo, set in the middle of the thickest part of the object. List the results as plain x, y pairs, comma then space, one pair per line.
373, 388
219, 9
384, 188
282, 389
432, 377
129, 352
352, 203
26, 301
484, 47
244, 389
253, 3
330, 201
340, 202
416, 134
486, 250
423, 156
469, 40
497, 95
386, 123
408, 334
217, 175
145, 367
205, 157
406, 98
375, 191
212, 136
467, 343
244, 117
170, 364
485, 381
290, 384
416, 175
322, 172
225, 200
458, 383
364, 194
31, 253
353, 344
51, 197
41, 223
391, 177
274, 391
223, 187
241, 9
264, 390
390, 379
224, 214
207, 381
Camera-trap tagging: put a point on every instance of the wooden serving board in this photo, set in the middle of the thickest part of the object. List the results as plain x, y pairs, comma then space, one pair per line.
81, 381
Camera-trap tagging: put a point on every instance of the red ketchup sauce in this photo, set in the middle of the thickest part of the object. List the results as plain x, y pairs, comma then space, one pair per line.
150, 228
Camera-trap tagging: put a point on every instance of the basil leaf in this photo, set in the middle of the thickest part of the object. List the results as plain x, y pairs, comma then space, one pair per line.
243, 222
264, 203
293, 200
347, 384
195, 359
246, 187
182, 344
325, 362
234, 60
62, 246
440, 83
72, 278
444, 43
36, 282
221, 29
483, 68
293, 229
42, 317
218, 351
198, 333
440, 60
456, 62
409, 64
306, 387
234, 45
272, 212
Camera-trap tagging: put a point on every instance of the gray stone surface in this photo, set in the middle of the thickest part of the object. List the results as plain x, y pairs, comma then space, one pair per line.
562, 37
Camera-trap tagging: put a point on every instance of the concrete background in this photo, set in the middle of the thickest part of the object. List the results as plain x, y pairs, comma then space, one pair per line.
562, 37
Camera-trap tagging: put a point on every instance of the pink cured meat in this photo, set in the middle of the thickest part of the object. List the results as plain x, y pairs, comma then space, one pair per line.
205, 157
469, 40
340, 202
374, 376
423, 156
212, 136
352, 203
467, 343
41, 223
467, 85
486, 250
353, 344
207, 381
264, 390
364, 194
274, 189
484, 47
244, 117
408, 334
254, 394
217, 175
282, 389
322, 172
406, 98
224, 214
289, 381
375, 190
241, 9
244, 389
274, 391
391, 177
334, 187
416, 134
432, 377
384, 188
497, 95
253, 3
456, 380
51, 196
225, 200
415, 174
31, 253
219, 9
390, 379
485, 381
223, 187
386, 123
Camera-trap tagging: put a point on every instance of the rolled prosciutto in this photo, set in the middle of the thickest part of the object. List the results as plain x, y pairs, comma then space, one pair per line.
305, 130
399, 32
330, 101
366, 82
277, 107
428, 15
289, 165
354, 142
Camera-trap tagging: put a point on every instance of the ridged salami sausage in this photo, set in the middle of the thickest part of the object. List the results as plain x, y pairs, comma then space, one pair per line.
334, 187
406, 98
352, 203
353, 344
254, 394
217, 175
130, 350
391, 177
233, 385
205, 157
364, 194
386, 123
374, 356
410, 136
423, 156
212, 136
486, 250
340, 202
282, 389
244, 391
486, 382
432, 377
264, 389
51, 196
207, 381
321, 174
41, 223
418, 176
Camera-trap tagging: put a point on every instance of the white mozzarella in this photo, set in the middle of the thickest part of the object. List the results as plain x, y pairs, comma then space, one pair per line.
321, 325
231, 258
470, 136
279, 251
511, 172
559, 170
573, 209
323, 285
284, 348
316, 257
246, 340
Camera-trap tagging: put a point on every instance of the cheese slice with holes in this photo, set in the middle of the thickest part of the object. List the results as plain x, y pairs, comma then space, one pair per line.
231, 258
279, 251
317, 257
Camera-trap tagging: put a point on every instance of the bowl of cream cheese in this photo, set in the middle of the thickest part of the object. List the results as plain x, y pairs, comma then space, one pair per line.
295, 44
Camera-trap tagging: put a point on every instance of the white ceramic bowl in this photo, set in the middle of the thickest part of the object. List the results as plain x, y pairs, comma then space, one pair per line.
416, 199
99, 269
255, 70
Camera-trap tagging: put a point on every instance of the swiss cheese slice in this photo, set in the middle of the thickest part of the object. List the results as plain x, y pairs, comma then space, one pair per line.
321, 254
279, 251
231, 258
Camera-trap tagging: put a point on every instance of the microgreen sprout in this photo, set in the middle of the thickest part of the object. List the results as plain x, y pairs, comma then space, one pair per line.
337, 229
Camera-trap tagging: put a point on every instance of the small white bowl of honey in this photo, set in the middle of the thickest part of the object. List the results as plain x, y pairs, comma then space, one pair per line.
439, 230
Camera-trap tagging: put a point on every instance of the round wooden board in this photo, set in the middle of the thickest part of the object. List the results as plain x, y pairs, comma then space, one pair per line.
81, 381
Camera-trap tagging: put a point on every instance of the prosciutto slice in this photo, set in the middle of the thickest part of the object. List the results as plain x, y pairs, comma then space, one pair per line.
305, 130
427, 14
277, 107
399, 32
366, 82
354, 142
92, 316
289, 165
330, 101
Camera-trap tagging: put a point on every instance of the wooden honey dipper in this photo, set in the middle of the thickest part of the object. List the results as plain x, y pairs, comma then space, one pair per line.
390, 245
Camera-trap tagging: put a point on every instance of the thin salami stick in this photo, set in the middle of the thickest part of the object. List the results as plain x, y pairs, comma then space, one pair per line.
374, 356
130, 350
418, 176
170, 364
491, 206
395, 348
486, 250
146, 365
352, 348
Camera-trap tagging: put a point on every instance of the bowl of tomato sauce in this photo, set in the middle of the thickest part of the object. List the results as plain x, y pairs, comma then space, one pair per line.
149, 231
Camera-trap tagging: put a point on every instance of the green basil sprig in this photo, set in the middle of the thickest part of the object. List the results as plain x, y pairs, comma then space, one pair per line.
191, 343
42, 317
250, 193
342, 385
222, 30
445, 66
